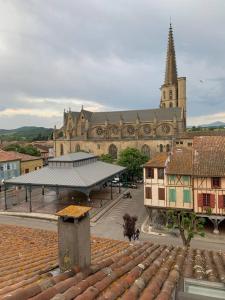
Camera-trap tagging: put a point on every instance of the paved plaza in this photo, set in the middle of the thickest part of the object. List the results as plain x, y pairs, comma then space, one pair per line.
49, 204
109, 224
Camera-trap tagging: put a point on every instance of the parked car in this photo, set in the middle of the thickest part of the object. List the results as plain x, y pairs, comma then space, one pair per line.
132, 186
139, 180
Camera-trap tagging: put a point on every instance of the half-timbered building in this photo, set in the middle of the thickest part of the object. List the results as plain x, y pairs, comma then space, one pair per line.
189, 179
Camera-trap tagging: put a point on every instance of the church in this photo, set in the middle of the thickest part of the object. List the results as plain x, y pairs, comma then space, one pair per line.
149, 130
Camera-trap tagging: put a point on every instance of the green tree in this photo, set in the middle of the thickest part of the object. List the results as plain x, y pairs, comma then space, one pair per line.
187, 223
132, 159
129, 226
29, 149
106, 158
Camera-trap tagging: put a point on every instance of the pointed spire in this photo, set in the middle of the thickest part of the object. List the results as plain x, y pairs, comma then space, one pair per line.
137, 118
171, 68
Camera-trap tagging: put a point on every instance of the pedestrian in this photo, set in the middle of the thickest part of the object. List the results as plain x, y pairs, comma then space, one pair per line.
137, 233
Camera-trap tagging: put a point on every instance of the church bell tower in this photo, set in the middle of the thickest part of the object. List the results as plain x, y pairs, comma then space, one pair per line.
173, 91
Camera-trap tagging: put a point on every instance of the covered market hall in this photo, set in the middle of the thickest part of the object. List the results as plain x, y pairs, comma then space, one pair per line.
80, 171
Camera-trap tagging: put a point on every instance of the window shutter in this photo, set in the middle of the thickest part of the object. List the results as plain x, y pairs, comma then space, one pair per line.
200, 200
172, 195
152, 170
148, 192
220, 201
212, 200
161, 193
186, 196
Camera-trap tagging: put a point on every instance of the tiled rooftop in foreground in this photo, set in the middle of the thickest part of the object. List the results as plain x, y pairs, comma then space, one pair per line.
119, 270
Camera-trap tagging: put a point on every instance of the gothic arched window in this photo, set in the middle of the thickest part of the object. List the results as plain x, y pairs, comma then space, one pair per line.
61, 149
146, 151
160, 148
171, 94
113, 151
168, 148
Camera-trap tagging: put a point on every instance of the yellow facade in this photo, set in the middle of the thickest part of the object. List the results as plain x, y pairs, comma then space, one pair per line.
99, 147
28, 166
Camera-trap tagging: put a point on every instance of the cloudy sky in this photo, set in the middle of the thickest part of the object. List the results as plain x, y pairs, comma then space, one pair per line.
107, 55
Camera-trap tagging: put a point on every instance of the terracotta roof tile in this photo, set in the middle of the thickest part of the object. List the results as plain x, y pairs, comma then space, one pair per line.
24, 157
119, 270
159, 160
180, 162
7, 156
209, 156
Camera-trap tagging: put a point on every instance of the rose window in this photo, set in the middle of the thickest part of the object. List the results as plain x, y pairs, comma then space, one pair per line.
99, 131
147, 129
115, 130
165, 128
130, 130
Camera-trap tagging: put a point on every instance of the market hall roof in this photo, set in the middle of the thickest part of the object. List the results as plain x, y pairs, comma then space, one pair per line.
73, 157
144, 115
80, 170
119, 269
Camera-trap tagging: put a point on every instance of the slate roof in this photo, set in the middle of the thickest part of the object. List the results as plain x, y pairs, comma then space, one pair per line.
209, 156
158, 161
73, 157
81, 176
144, 115
180, 162
119, 269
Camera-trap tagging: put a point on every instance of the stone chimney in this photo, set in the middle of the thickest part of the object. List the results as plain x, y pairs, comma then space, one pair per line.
74, 237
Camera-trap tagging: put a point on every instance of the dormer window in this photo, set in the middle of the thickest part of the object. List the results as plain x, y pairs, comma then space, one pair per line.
160, 173
149, 173
216, 182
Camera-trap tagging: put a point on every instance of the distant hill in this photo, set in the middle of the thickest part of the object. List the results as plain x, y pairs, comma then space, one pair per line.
214, 124
26, 133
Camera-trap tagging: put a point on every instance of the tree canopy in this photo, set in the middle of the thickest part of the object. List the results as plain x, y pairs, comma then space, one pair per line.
29, 149
132, 159
129, 226
188, 224
106, 158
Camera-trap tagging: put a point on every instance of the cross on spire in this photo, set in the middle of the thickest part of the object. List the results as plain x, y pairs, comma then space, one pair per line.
171, 68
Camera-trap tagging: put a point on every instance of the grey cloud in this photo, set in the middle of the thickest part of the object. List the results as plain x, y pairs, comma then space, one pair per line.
109, 52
